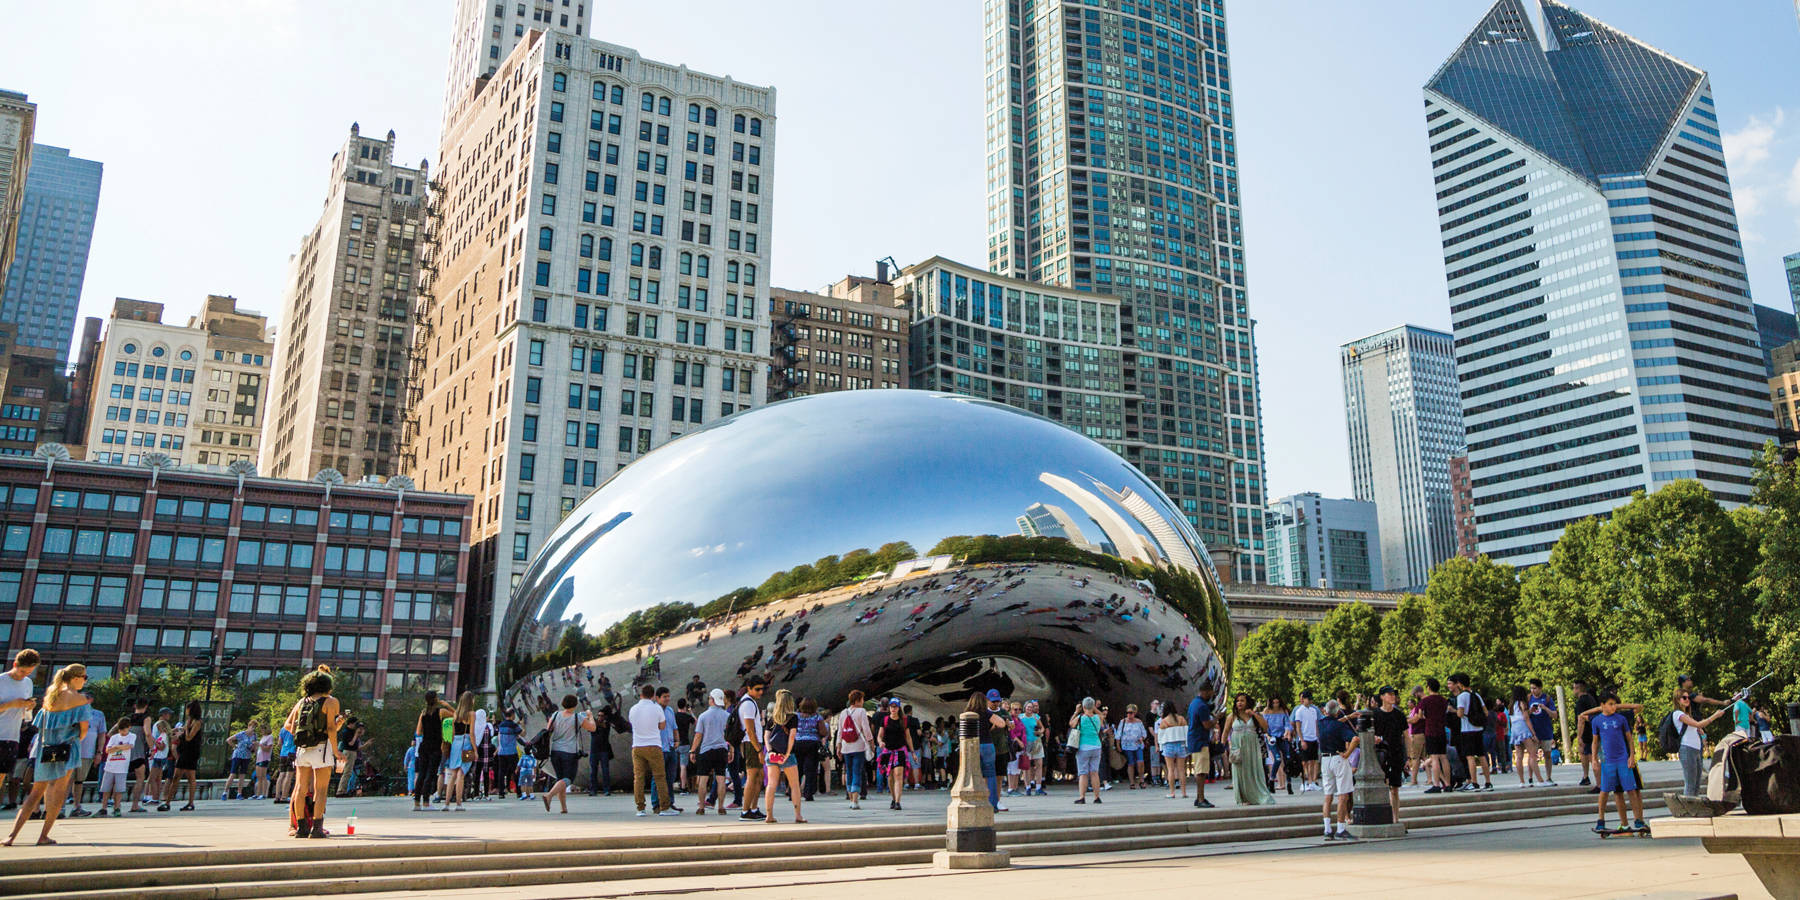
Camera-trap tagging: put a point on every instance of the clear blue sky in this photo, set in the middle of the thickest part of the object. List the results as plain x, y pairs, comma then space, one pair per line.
216, 122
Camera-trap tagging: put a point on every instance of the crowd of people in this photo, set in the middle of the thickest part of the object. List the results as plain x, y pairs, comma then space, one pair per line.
757, 748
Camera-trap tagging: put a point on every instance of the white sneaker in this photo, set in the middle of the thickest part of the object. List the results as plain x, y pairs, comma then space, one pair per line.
1001, 808
641, 813
671, 811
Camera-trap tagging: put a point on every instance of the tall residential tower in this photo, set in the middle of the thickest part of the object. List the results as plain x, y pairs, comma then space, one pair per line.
1405, 423
486, 31
1112, 167
346, 321
1605, 339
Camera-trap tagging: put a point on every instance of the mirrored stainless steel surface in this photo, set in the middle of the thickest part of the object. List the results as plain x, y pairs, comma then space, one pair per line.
902, 542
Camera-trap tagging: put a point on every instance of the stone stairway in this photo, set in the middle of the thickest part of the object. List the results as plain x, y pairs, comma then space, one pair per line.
343, 866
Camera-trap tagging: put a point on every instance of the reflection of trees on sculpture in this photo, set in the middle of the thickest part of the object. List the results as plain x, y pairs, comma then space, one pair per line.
1197, 601
664, 619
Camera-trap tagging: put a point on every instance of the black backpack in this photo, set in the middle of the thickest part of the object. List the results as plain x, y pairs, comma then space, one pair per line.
1478, 716
734, 727
1669, 735
310, 727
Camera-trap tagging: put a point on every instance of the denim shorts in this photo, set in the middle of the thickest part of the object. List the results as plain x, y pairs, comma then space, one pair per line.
1134, 756
1175, 750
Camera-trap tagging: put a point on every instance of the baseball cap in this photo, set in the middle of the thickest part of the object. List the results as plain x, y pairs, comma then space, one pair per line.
1388, 689
718, 697
894, 701
993, 694
165, 711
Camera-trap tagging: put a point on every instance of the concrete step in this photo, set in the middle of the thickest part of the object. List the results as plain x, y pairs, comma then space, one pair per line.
333, 867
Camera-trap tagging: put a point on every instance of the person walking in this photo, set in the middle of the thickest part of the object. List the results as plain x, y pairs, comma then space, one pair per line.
566, 726
779, 762
62, 725
1171, 740
462, 752
1520, 739
189, 739
856, 741
314, 720
1245, 728
1432, 710
1084, 736
429, 731
1471, 715
897, 746
1693, 736
996, 745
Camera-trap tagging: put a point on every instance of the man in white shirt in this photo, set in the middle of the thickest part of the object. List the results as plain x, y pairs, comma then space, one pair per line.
647, 724
16, 704
1471, 714
750, 715
1306, 738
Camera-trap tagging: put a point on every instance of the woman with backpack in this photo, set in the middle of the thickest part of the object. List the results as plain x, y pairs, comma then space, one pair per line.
855, 739
314, 721
431, 751
188, 740
1688, 733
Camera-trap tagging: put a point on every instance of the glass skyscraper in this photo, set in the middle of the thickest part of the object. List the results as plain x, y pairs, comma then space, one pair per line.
56, 226
1605, 337
1112, 167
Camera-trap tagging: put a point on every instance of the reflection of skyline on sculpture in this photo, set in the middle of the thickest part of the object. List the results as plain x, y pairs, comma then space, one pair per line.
708, 518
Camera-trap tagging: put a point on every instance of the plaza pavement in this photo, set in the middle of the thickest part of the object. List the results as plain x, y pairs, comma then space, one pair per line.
227, 825
1548, 859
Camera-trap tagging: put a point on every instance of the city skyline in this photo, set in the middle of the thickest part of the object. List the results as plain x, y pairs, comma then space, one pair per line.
1295, 249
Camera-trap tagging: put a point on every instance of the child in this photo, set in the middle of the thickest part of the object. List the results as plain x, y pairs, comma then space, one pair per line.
115, 775
1617, 753
527, 774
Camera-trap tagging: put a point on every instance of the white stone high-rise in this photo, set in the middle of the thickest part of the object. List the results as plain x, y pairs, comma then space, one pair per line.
596, 286
1605, 337
1405, 422
486, 31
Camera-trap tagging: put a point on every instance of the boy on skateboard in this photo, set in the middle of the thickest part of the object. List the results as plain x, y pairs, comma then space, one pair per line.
1617, 753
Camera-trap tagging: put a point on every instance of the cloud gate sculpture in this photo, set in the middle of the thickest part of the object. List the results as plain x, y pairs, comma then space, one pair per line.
905, 543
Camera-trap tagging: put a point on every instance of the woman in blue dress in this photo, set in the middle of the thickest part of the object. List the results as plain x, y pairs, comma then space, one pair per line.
62, 726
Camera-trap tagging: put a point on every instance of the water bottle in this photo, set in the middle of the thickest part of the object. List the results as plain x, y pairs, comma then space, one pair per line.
350, 823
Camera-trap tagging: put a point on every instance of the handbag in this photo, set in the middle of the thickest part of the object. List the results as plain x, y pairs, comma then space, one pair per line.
56, 753
468, 756
777, 759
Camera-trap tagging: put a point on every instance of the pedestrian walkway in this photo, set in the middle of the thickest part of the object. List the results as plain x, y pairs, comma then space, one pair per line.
1553, 859
226, 826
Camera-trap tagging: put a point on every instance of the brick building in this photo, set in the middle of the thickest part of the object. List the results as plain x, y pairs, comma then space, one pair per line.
850, 336
1462, 506
115, 565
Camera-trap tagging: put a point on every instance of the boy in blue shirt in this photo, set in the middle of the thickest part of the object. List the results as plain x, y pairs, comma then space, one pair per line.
1617, 753
527, 774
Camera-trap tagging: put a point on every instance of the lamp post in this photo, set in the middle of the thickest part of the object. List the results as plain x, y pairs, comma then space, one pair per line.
969, 841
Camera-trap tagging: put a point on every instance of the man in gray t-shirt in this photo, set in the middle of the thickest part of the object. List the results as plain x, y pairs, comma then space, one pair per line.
711, 752
16, 704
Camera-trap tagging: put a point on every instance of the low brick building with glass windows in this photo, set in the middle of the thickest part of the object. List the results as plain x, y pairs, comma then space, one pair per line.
114, 566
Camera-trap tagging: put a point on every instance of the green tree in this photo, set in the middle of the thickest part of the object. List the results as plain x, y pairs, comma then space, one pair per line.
1774, 524
1342, 650
1397, 649
1558, 621
1647, 666
1269, 658
1469, 614
1679, 562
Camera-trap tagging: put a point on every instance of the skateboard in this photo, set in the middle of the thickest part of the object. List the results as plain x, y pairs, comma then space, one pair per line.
1615, 832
